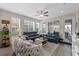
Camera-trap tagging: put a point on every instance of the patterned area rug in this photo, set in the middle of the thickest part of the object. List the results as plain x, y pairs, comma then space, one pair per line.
50, 48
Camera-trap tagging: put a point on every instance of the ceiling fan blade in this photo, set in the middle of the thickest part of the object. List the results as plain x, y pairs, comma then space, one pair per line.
46, 15
46, 12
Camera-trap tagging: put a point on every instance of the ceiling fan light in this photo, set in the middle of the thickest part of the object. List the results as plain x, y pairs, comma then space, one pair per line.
41, 15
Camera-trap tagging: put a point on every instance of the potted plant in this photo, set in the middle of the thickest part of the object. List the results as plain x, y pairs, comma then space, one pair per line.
77, 34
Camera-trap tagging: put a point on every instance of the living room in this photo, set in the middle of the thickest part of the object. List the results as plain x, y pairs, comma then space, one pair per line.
42, 29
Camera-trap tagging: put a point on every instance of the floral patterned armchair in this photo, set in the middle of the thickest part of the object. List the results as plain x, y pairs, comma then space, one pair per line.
25, 48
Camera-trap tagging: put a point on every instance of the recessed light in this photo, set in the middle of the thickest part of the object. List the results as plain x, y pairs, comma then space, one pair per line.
62, 11
20, 10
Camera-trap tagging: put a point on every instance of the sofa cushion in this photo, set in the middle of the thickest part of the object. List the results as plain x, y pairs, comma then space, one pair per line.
53, 37
33, 35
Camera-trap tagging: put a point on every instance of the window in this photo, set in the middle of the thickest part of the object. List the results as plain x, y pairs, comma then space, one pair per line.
28, 26
43, 28
15, 23
37, 26
53, 26
31, 26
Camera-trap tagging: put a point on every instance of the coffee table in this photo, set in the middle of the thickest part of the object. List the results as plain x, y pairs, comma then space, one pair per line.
38, 41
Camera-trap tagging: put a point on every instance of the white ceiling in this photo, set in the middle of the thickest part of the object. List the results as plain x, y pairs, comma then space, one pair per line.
29, 9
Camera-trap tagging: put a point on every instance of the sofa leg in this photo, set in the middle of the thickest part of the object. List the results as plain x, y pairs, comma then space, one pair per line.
56, 42
13, 54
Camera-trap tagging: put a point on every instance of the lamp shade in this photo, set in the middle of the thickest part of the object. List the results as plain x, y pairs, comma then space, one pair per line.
5, 22
18, 30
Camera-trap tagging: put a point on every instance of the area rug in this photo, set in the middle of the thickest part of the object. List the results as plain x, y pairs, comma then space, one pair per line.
50, 48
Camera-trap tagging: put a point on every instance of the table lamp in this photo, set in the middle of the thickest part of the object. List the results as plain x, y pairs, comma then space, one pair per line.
19, 31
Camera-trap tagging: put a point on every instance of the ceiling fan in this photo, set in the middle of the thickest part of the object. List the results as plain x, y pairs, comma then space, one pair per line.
42, 13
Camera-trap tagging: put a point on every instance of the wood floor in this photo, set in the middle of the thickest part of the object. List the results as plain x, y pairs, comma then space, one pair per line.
6, 51
67, 50
61, 50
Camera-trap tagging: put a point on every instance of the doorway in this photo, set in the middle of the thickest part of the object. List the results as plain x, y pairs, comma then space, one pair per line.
68, 31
